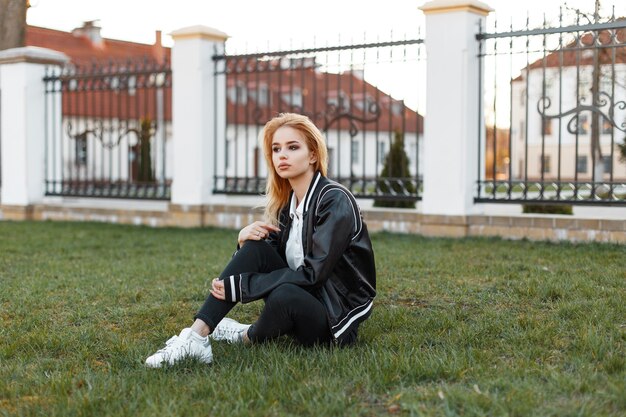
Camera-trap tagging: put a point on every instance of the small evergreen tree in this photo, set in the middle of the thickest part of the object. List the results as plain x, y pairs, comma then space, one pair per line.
145, 159
396, 167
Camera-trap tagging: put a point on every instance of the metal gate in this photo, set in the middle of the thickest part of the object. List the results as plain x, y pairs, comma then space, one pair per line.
555, 133
107, 132
331, 85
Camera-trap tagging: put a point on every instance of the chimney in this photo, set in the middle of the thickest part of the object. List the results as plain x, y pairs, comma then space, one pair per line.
358, 73
90, 31
157, 49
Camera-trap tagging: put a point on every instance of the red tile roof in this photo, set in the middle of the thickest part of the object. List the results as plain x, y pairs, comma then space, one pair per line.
322, 96
81, 49
573, 54
101, 96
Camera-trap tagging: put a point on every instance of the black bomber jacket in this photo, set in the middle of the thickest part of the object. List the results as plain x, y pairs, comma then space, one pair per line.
339, 267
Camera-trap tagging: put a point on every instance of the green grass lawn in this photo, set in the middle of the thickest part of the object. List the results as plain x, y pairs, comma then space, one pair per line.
466, 327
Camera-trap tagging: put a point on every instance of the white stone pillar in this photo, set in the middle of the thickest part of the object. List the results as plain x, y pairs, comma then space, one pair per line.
199, 112
451, 125
24, 125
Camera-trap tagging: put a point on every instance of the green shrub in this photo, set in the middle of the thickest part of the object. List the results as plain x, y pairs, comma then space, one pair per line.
548, 208
396, 167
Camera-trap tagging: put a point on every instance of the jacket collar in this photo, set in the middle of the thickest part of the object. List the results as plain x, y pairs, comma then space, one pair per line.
309, 194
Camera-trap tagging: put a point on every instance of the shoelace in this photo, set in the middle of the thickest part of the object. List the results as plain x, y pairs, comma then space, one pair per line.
170, 344
229, 334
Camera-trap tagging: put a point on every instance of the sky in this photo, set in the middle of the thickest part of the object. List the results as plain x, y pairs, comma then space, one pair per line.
277, 24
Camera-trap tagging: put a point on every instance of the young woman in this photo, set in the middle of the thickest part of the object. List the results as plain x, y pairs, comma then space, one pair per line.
311, 260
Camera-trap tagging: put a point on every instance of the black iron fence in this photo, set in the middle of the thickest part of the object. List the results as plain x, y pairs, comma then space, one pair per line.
373, 136
108, 130
556, 114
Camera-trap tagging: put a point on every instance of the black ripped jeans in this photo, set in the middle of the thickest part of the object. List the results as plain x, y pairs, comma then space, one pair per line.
289, 309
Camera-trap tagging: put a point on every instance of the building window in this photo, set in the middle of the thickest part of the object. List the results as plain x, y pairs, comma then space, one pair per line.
331, 162
132, 85
549, 87
365, 104
413, 152
606, 84
607, 126
608, 164
545, 164
338, 100
355, 151
113, 82
584, 89
227, 153
238, 93
261, 95
257, 161
546, 126
382, 152
156, 80
522, 130
80, 147
583, 124
581, 164
293, 97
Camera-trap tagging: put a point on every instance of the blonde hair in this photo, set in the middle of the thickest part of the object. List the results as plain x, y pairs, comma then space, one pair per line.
277, 189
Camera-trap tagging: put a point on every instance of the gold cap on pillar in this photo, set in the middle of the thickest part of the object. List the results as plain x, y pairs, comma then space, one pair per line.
199, 31
447, 6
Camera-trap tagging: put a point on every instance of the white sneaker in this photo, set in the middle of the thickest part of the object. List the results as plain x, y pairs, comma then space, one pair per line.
187, 344
230, 330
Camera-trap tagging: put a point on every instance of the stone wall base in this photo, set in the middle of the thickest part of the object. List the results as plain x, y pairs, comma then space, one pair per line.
136, 217
522, 226
16, 212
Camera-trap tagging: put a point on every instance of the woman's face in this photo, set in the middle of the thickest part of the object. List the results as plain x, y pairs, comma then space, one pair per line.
290, 154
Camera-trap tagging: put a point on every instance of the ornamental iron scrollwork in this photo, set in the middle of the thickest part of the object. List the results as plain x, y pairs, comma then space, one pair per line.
334, 113
82, 136
98, 132
604, 99
329, 116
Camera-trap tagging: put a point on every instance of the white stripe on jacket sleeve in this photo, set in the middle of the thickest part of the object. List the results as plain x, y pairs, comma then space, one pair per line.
233, 295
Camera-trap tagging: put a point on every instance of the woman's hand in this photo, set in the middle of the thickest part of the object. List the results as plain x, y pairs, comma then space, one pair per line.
256, 231
217, 289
